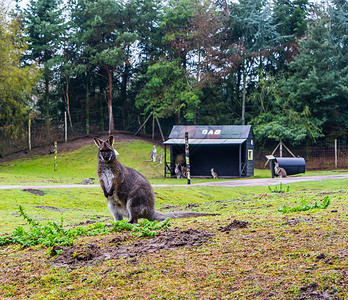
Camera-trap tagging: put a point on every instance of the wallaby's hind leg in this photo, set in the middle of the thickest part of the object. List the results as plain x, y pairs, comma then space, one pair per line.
132, 212
115, 211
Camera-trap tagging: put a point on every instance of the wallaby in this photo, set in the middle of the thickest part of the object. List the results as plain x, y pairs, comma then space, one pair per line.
184, 171
154, 154
160, 157
214, 174
128, 192
177, 171
279, 171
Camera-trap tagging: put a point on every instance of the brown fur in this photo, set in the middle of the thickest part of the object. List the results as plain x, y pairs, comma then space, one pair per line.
279, 171
214, 174
128, 192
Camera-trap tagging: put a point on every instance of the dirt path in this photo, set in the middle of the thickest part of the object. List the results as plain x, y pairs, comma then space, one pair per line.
230, 183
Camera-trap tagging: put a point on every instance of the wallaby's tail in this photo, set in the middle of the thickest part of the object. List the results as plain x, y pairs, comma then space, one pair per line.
177, 214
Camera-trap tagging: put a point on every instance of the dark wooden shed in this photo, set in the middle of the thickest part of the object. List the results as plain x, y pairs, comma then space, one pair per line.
229, 149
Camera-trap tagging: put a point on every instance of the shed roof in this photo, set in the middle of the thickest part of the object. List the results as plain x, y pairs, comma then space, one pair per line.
209, 135
205, 141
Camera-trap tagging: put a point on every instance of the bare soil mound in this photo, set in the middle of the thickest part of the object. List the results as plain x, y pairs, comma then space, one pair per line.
167, 240
233, 225
313, 292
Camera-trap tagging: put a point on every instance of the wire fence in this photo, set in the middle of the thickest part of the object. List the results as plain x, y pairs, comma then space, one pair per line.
317, 158
39, 133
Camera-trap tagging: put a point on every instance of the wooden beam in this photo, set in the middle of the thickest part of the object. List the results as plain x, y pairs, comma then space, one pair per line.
143, 124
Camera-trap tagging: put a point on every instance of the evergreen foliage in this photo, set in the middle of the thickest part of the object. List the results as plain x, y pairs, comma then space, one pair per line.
279, 65
17, 81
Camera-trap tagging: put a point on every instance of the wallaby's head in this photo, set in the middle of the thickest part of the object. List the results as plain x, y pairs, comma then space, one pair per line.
106, 151
276, 164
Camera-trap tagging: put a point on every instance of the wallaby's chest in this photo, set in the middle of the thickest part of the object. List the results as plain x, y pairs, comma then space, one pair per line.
107, 176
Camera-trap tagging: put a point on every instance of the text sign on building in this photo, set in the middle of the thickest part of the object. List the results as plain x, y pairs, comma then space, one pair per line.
211, 132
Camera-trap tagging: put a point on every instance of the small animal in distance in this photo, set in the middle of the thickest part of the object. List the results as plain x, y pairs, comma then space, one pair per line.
214, 174
279, 171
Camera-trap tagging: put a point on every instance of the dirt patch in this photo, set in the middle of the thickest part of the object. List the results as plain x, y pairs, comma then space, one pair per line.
166, 240
311, 292
234, 225
295, 221
88, 222
34, 191
49, 208
179, 207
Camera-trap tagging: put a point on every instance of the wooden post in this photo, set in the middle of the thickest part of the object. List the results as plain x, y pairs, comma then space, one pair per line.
65, 127
55, 156
160, 129
281, 149
165, 161
336, 154
153, 125
187, 155
143, 124
29, 133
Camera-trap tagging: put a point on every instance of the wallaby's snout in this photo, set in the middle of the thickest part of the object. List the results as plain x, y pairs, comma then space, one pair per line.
106, 151
107, 155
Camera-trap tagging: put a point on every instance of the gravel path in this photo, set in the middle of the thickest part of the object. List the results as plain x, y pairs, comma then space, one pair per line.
229, 183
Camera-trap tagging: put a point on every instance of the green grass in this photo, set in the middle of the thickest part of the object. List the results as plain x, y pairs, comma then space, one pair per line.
275, 256
82, 163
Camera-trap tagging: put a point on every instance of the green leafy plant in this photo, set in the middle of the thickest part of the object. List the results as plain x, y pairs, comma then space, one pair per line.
53, 233
279, 189
305, 206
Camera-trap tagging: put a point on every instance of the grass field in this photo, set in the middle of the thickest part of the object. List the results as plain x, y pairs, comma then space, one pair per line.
249, 251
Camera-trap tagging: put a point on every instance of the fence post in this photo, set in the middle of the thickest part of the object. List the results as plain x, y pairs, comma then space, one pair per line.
65, 127
153, 125
29, 133
55, 156
336, 154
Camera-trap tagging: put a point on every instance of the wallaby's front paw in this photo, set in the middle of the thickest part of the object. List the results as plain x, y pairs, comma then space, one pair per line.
111, 192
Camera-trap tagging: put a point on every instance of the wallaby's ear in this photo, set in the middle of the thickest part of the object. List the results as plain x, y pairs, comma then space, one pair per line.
97, 141
110, 140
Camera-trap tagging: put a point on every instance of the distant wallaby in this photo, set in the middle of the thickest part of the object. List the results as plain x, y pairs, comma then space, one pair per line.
160, 157
128, 192
154, 154
177, 171
279, 171
184, 171
214, 174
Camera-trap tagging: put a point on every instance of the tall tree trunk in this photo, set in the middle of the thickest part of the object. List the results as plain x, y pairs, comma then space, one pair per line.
125, 109
111, 118
102, 116
67, 98
243, 97
87, 105
198, 81
47, 104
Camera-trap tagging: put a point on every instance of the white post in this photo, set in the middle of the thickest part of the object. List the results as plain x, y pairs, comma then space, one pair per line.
281, 149
153, 125
29, 133
336, 156
65, 127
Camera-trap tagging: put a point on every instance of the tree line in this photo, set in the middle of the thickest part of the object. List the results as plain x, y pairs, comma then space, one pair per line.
281, 65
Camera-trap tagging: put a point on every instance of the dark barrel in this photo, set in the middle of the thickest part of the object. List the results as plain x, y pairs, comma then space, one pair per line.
292, 165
